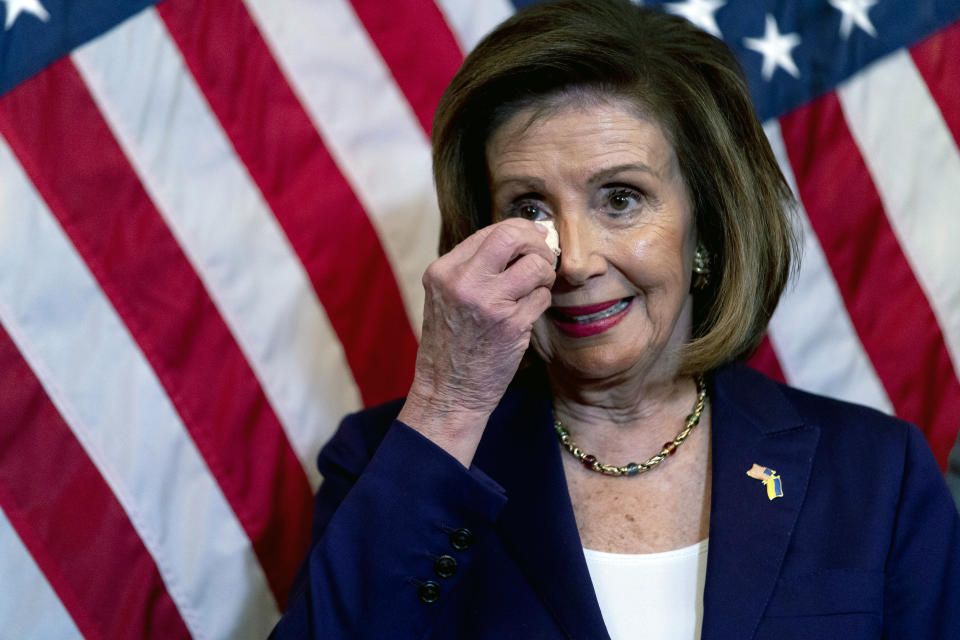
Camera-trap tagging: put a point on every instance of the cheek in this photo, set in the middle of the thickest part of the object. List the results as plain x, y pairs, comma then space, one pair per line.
660, 259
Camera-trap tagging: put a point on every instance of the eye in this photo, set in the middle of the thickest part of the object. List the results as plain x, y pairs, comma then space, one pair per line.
620, 200
527, 207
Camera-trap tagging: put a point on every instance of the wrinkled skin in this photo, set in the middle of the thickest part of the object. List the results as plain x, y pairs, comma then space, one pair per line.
482, 299
608, 179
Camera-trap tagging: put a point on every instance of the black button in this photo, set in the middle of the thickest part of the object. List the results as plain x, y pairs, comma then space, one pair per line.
445, 566
461, 539
429, 592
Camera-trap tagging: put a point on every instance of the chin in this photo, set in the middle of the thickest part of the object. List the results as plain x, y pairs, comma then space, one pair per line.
597, 362
603, 358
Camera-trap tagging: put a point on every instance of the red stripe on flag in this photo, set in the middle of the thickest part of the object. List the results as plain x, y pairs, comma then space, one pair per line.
936, 59
886, 304
765, 360
418, 46
70, 521
82, 173
314, 204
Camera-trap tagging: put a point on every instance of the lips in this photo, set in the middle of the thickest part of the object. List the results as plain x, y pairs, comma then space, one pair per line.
589, 320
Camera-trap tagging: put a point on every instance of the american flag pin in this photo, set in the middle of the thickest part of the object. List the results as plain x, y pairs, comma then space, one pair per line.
769, 477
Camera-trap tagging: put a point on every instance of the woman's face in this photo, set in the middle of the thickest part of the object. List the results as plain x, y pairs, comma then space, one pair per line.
610, 181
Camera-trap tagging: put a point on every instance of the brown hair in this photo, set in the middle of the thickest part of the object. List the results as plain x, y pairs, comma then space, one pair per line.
691, 83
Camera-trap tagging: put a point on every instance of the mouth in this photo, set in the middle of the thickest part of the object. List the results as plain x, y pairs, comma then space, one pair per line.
588, 320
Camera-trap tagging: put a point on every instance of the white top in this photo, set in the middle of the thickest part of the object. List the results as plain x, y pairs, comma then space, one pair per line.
654, 596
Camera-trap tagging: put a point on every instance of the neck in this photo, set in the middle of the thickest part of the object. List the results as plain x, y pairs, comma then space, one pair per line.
631, 417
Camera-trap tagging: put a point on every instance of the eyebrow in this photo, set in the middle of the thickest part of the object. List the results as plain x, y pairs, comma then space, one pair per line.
528, 182
537, 184
605, 174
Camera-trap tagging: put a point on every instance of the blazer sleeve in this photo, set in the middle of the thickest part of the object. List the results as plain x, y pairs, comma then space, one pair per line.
391, 537
922, 587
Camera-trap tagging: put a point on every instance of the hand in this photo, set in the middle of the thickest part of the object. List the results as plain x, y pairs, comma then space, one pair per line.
482, 299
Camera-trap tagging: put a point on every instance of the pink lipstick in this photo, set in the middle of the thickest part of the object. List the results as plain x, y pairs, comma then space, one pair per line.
589, 320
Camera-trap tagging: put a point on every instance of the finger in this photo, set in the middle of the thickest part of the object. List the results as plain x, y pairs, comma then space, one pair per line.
509, 235
471, 243
505, 235
526, 274
505, 243
533, 305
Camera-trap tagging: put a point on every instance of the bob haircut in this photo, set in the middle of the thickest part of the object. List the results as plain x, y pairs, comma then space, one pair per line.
691, 84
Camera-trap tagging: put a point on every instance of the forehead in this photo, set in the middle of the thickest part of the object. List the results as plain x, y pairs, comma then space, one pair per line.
579, 137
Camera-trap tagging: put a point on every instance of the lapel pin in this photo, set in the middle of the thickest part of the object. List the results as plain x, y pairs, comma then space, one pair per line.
769, 478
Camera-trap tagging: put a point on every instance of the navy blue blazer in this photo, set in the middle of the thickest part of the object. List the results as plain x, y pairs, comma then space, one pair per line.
864, 543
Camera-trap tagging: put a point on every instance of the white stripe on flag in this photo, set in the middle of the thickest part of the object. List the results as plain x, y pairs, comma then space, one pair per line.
82, 354
367, 125
225, 228
811, 332
29, 608
471, 20
915, 166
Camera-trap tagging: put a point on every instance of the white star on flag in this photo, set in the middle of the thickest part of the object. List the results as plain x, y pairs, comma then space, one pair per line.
16, 7
854, 11
699, 12
775, 47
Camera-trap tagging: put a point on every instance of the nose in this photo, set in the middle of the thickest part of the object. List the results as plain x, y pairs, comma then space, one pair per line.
581, 255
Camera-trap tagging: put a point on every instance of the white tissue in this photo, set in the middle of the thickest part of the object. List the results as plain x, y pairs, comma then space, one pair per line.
552, 239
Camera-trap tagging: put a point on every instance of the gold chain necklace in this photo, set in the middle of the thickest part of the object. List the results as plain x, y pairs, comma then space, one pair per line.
634, 468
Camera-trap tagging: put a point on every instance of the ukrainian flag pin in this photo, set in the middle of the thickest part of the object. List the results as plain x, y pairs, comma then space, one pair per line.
769, 478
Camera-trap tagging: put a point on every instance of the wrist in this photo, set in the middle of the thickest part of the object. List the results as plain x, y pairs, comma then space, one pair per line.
456, 430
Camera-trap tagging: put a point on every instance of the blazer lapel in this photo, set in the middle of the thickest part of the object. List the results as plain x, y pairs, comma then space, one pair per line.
537, 525
753, 423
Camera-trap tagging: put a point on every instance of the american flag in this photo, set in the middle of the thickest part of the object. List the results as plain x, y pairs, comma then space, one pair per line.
214, 217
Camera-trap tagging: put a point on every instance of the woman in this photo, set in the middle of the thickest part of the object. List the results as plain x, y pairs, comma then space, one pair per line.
576, 497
